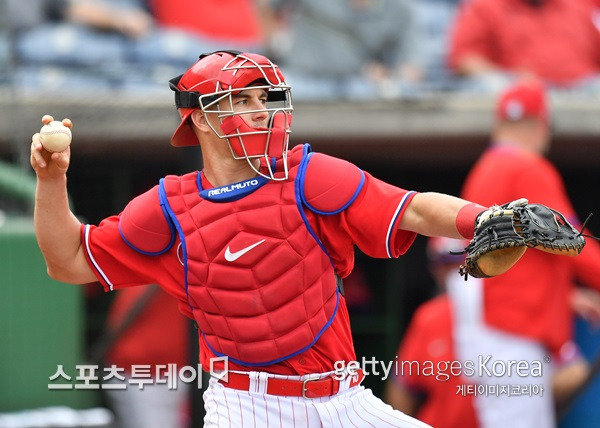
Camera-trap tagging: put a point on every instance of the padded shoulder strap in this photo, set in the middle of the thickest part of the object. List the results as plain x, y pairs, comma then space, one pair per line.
145, 226
328, 185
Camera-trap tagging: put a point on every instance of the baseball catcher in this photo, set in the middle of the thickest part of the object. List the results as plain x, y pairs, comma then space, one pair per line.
255, 244
503, 234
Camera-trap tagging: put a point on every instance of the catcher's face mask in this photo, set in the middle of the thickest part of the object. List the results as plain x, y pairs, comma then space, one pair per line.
214, 84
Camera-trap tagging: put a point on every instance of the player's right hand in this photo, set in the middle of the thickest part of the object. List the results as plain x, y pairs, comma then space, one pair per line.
49, 165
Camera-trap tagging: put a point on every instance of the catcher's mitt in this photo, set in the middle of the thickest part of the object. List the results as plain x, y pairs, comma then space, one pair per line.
503, 233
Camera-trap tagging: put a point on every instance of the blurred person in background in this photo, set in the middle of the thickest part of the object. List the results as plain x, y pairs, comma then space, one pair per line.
232, 24
96, 44
146, 334
127, 17
557, 41
186, 27
441, 398
73, 44
63, 30
433, 23
434, 397
526, 314
348, 49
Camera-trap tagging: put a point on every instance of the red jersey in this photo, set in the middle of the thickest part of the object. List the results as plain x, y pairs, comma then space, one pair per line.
225, 20
158, 336
532, 298
429, 339
556, 40
369, 222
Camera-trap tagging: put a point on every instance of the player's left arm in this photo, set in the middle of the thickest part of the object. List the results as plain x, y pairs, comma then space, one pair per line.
438, 214
366, 208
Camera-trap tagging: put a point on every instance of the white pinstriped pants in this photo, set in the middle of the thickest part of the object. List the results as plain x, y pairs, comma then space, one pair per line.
351, 407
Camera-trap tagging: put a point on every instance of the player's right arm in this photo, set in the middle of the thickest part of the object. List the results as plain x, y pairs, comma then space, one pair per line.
56, 227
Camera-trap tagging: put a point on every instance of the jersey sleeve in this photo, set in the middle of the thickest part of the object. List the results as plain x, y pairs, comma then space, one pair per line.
117, 265
373, 219
370, 222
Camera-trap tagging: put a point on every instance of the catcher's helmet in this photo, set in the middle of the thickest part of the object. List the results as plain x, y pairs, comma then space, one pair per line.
213, 79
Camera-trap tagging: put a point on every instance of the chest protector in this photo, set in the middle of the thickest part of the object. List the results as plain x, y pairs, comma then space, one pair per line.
260, 286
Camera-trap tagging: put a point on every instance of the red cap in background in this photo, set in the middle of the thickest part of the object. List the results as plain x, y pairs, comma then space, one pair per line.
523, 100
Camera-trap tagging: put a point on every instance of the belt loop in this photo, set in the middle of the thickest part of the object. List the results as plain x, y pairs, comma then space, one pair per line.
260, 382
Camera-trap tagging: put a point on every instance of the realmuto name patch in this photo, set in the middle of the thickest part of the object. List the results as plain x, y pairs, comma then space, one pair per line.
235, 191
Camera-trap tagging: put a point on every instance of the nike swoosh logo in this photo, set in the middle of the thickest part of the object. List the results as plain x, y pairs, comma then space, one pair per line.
231, 257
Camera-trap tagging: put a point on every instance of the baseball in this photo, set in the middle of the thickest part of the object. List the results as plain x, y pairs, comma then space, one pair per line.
55, 137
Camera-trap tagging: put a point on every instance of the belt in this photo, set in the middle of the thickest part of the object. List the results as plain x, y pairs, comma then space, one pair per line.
306, 388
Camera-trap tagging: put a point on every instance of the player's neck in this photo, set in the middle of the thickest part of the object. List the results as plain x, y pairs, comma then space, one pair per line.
222, 173
528, 141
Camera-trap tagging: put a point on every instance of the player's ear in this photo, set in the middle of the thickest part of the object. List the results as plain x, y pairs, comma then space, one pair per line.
198, 118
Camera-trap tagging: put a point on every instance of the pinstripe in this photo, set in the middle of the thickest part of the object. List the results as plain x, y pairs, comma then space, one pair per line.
307, 416
338, 415
210, 406
279, 406
227, 407
326, 406
343, 401
360, 403
359, 416
267, 409
218, 412
254, 407
241, 411
384, 409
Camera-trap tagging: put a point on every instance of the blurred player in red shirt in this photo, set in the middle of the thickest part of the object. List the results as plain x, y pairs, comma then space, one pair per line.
224, 23
440, 399
150, 335
525, 314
